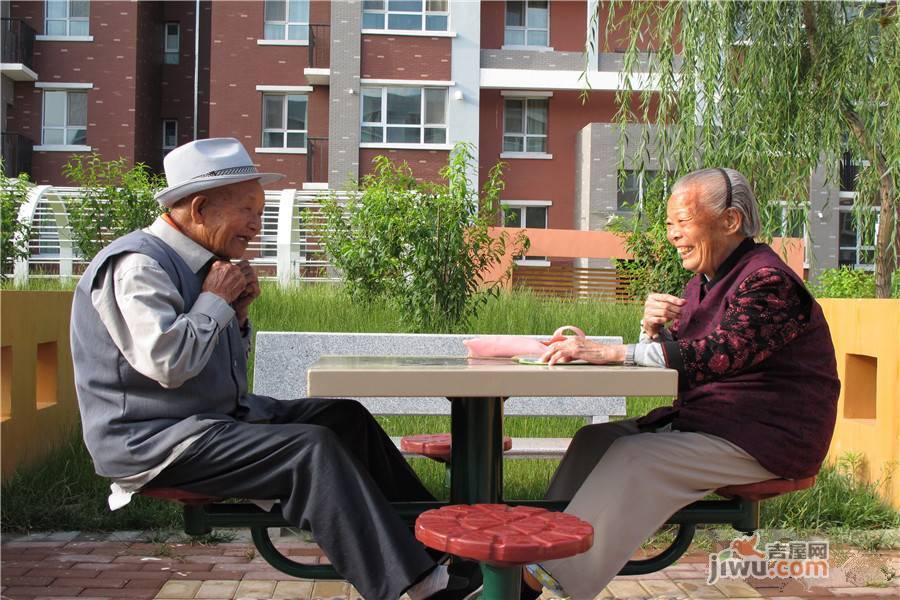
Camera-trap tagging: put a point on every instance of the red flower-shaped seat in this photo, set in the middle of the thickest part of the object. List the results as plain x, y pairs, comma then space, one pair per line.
766, 489
504, 535
437, 446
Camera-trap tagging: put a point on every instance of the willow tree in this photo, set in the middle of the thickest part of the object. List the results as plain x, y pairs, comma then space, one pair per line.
773, 89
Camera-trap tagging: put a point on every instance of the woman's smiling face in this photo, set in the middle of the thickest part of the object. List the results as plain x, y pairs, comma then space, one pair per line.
703, 238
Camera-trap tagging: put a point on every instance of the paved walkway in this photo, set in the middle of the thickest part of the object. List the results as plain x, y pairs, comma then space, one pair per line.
70, 565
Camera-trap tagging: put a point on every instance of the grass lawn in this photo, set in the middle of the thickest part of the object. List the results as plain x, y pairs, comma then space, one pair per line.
63, 493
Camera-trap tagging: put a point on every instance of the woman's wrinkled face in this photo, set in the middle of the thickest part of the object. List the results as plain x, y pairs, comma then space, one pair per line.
230, 218
699, 234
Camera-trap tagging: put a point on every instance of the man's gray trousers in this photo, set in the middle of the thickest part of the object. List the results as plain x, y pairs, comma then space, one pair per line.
334, 470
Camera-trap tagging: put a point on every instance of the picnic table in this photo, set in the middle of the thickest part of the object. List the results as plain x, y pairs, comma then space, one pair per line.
476, 389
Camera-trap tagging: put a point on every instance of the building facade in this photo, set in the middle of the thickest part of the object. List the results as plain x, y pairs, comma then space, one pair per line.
317, 89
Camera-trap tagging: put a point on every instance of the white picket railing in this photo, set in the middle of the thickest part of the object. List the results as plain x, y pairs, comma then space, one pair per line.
287, 248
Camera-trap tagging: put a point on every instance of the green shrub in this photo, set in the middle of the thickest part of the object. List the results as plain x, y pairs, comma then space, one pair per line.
115, 200
846, 282
421, 246
14, 234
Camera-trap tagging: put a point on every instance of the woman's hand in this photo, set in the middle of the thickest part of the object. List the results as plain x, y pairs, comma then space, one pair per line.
576, 348
659, 309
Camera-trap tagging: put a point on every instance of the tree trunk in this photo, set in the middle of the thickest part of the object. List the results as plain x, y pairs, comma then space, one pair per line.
886, 252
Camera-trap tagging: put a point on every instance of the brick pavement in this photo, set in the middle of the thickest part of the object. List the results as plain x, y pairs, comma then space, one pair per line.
69, 566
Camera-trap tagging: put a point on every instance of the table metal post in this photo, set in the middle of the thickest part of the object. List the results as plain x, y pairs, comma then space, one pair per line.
477, 459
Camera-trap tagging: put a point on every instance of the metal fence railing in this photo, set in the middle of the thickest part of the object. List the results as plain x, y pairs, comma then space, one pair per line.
319, 46
18, 42
17, 151
567, 281
287, 248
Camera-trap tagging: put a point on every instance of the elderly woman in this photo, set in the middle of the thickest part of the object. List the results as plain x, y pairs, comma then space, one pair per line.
758, 386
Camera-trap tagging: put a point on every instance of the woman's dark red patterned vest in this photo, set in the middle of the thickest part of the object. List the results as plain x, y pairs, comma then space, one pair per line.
781, 411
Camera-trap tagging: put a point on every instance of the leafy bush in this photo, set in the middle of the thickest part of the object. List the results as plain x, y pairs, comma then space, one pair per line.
115, 200
422, 246
14, 235
847, 282
655, 265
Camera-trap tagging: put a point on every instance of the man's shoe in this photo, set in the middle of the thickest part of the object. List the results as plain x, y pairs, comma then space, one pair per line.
465, 579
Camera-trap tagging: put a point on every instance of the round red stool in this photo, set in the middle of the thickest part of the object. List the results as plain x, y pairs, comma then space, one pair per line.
436, 446
503, 538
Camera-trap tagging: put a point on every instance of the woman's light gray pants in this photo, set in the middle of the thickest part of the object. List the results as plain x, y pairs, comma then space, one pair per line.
627, 483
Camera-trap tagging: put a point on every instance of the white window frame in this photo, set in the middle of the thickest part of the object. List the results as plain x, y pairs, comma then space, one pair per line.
524, 205
287, 24
858, 247
524, 135
166, 148
68, 36
425, 13
525, 29
64, 147
421, 126
284, 149
169, 52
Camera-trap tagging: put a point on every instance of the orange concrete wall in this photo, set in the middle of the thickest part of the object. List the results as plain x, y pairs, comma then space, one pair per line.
39, 407
867, 347
569, 243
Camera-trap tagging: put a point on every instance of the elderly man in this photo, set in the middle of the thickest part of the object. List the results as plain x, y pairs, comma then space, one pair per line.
160, 338
757, 378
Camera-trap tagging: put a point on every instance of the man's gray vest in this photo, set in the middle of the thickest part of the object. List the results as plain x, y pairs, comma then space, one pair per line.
130, 422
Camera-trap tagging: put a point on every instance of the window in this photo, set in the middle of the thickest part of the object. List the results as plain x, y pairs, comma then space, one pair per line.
170, 135
531, 217
65, 118
284, 121
171, 43
406, 15
67, 17
531, 214
631, 190
525, 125
527, 23
287, 20
853, 249
404, 115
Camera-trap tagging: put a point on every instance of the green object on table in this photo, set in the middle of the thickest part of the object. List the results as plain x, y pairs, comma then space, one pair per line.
536, 360
501, 583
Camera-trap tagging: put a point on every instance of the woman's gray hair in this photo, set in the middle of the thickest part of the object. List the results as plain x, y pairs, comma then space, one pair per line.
714, 193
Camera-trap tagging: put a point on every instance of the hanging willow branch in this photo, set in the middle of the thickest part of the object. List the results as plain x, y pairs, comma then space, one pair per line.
776, 90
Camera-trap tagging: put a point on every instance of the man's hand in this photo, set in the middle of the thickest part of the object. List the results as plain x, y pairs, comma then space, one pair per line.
575, 348
659, 309
251, 291
225, 280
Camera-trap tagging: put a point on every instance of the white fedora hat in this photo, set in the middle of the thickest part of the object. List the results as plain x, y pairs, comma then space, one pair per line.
206, 164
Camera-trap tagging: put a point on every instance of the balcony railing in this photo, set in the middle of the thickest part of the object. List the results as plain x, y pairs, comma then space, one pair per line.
18, 43
317, 160
16, 154
319, 46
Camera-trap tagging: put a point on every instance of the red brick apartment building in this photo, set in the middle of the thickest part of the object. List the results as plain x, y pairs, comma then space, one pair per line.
316, 89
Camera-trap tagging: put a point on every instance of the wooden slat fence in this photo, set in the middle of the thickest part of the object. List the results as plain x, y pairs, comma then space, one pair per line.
566, 281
